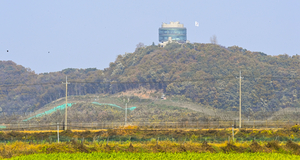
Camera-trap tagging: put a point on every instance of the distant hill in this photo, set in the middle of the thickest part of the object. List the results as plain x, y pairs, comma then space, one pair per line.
205, 75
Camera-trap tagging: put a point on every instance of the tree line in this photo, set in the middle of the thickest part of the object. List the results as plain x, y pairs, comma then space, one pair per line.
270, 82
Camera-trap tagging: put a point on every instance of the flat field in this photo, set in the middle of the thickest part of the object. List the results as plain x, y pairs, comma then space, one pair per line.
132, 156
133, 143
149, 150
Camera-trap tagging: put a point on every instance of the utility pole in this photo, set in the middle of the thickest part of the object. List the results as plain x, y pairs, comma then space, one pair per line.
232, 134
66, 109
57, 132
126, 111
126, 114
240, 108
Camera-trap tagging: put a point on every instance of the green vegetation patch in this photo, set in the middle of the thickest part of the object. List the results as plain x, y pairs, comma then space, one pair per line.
114, 155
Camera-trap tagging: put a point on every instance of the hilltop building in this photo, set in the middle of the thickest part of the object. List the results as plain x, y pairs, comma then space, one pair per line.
173, 32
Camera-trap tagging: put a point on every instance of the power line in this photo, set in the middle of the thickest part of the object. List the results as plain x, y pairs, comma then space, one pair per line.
186, 80
269, 77
34, 84
113, 82
151, 82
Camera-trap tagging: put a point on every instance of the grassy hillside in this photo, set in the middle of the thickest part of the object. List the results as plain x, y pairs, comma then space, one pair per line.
150, 109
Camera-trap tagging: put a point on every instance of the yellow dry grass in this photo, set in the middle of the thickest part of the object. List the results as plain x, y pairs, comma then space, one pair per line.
153, 146
135, 127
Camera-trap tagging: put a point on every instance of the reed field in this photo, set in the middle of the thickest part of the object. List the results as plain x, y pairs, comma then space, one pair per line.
136, 134
148, 150
131, 142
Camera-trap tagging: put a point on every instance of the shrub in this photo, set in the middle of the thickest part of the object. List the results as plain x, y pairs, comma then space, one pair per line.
295, 128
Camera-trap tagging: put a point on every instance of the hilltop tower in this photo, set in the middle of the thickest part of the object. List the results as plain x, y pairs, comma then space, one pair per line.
172, 32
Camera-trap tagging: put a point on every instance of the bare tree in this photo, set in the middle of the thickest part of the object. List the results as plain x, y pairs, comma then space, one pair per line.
140, 45
213, 39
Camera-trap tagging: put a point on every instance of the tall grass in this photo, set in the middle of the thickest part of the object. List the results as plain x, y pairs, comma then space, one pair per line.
18, 148
122, 156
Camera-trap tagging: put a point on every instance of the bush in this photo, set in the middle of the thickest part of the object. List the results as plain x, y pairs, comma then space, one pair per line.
295, 128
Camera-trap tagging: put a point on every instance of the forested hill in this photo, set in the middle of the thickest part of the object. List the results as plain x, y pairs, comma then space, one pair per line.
203, 73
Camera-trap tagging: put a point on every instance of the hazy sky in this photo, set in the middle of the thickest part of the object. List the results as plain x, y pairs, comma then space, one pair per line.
88, 34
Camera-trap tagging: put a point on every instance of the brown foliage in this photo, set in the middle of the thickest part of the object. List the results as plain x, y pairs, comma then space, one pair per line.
273, 145
208, 148
293, 146
255, 147
230, 147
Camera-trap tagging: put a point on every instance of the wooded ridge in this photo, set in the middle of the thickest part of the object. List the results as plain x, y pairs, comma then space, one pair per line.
202, 73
